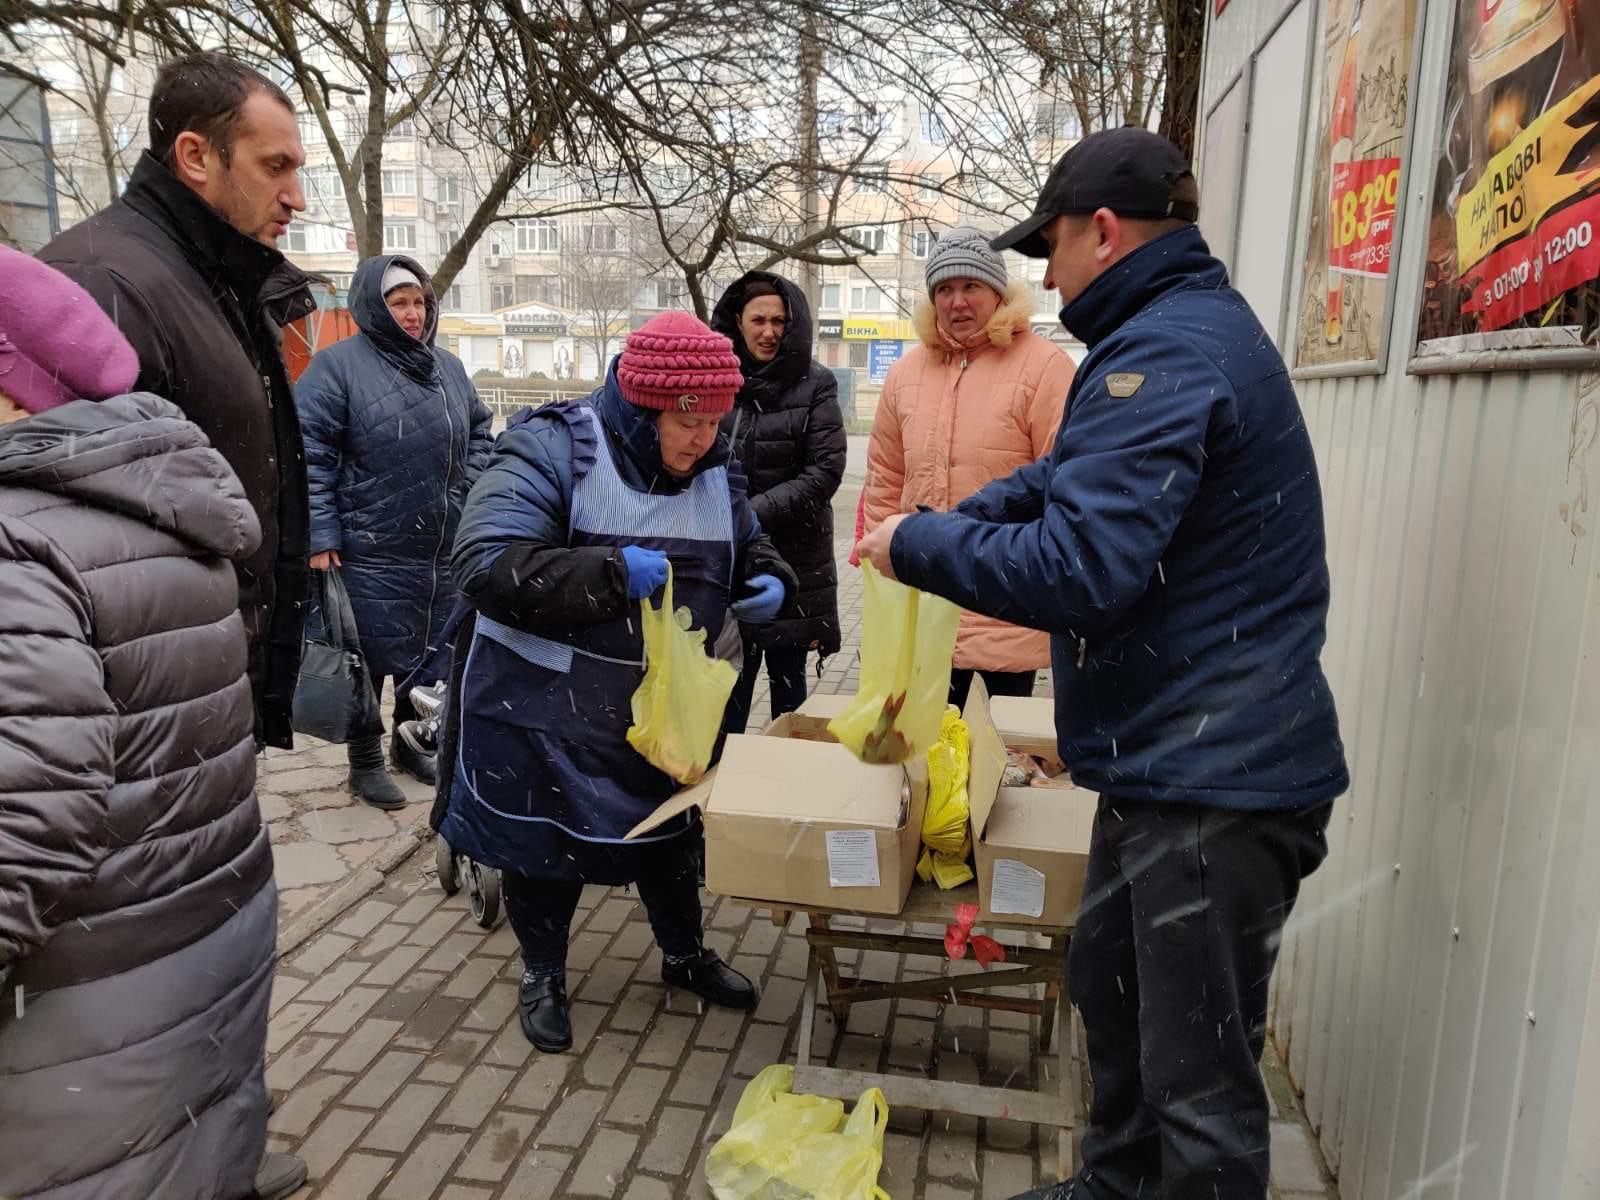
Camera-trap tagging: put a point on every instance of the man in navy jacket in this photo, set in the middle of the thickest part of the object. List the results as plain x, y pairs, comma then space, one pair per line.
1172, 545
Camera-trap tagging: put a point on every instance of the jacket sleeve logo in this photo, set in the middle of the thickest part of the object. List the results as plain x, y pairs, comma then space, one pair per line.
1124, 385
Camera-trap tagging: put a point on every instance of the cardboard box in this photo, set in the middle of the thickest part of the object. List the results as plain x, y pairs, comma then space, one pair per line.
1027, 723
825, 705
793, 818
1030, 845
1034, 854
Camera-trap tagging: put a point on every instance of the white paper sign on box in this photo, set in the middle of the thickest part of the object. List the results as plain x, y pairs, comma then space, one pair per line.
852, 858
1015, 887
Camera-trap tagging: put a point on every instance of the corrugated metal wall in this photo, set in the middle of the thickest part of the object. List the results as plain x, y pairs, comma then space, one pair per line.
1439, 990
1436, 980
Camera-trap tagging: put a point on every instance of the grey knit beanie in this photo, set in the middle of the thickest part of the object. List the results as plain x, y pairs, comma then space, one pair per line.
964, 253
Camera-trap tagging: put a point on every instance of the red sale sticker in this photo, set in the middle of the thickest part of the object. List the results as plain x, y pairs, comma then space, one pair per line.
1361, 215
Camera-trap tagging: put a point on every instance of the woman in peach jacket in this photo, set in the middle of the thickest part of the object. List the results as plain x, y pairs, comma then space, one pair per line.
980, 396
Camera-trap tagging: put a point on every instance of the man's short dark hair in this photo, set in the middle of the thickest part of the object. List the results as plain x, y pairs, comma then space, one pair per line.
204, 93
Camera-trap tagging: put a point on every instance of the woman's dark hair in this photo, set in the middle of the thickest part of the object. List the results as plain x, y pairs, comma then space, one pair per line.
204, 93
758, 288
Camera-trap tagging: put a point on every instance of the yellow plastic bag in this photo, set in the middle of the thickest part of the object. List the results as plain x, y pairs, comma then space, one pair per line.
907, 640
787, 1147
944, 821
678, 708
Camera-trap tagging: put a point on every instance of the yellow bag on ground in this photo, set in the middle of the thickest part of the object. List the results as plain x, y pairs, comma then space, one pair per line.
907, 640
787, 1147
944, 821
678, 707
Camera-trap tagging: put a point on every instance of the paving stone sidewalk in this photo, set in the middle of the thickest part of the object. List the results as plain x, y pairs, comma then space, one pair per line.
402, 1074
321, 836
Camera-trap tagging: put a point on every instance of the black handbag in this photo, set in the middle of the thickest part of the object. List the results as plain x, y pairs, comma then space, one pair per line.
333, 698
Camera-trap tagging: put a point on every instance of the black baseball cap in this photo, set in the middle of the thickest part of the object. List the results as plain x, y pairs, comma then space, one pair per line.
1131, 171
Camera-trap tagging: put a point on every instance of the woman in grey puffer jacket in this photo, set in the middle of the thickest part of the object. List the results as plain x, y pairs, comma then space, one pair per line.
137, 909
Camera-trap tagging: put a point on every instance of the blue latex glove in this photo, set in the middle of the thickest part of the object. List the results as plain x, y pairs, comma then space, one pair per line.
647, 571
763, 605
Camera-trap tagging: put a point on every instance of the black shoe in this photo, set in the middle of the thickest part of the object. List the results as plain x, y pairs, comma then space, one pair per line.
1056, 1191
414, 751
545, 1021
713, 980
368, 779
278, 1176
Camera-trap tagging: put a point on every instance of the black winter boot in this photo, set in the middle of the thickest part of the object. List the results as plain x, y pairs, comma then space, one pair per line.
543, 1003
369, 780
713, 980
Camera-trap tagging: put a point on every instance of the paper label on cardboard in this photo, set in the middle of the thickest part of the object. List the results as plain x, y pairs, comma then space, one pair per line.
853, 858
1015, 887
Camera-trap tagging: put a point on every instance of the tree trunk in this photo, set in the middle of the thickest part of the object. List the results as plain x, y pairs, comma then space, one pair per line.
371, 158
810, 68
1184, 23
697, 295
95, 70
108, 152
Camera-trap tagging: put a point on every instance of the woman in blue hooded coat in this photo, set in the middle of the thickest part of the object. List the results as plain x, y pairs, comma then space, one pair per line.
395, 436
575, 522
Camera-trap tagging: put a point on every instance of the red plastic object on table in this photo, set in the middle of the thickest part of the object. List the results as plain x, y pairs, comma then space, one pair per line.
959, 936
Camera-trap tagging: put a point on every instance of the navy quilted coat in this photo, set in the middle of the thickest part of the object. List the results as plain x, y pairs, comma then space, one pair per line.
395, 436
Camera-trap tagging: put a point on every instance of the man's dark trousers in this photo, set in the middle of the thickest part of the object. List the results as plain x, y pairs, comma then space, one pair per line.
1182, 915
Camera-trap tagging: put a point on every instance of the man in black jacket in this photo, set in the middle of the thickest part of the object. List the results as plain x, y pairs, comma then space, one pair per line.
788, 436
186, 263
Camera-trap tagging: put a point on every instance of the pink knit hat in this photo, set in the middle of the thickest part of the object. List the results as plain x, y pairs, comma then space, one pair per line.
56, 345
674, 361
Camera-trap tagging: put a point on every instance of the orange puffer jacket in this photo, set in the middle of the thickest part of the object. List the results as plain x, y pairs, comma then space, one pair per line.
948, 423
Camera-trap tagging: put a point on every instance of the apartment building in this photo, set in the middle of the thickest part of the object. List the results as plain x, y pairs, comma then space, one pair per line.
96, 125
427, 196
28, 210
864, 310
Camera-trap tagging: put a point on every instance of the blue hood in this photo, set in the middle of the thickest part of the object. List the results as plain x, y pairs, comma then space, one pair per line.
412, 355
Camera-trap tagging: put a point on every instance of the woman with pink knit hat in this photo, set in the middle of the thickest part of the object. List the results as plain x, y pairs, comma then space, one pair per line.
574, 523
138, 918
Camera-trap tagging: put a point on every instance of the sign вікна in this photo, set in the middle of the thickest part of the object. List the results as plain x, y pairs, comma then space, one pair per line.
877, 329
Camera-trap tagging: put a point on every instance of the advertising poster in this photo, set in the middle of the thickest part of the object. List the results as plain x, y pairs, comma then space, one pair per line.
1355, 180
1513, 251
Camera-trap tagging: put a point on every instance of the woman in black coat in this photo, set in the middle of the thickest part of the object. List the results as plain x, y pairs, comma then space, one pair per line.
788, 435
